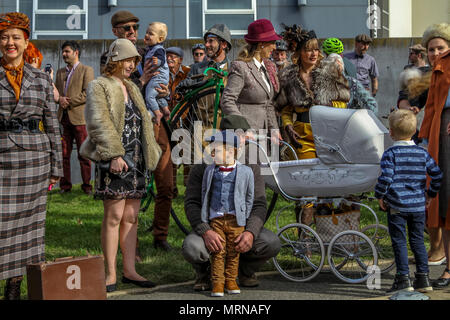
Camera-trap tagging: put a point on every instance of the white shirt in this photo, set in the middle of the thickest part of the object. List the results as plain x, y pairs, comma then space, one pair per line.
259, 65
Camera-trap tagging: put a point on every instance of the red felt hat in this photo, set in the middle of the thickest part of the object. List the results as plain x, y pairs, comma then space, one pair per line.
261, 30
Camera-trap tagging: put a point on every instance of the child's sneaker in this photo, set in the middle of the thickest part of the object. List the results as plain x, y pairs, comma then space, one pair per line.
401, 282
422, 282
232, 287
217, 290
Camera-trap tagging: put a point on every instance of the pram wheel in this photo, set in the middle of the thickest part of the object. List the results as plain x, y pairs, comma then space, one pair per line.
379, 234
350, 253
302, 253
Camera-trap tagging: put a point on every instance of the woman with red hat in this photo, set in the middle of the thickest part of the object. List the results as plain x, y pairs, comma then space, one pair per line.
30, 153
253, 82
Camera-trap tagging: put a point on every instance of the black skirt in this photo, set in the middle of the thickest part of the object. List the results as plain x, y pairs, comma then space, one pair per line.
133, 183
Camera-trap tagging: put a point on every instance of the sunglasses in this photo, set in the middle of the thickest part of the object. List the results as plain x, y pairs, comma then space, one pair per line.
199, 54
128, 28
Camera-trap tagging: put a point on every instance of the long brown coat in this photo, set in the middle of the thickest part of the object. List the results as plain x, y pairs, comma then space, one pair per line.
431, 125
246, 94
76, 92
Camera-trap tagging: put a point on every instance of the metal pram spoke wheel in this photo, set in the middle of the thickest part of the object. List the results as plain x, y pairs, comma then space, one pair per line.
350, 254
379, 234
302, 253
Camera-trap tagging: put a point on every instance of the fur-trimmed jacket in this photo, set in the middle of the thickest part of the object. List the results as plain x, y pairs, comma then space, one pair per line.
327, 86
105, 119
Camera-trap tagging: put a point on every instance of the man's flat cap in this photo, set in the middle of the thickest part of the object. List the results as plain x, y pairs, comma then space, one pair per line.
363, 38
176, 50
123, 16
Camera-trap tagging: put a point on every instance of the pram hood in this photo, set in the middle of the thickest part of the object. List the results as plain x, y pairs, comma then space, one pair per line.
348, 135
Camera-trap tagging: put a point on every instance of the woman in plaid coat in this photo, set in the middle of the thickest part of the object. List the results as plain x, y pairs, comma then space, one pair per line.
30, 153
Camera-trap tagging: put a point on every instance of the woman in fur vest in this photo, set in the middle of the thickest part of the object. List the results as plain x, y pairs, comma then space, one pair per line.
310, 81
436, 40
121, 142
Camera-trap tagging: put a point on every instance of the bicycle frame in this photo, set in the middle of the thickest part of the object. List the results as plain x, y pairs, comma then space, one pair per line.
216, 81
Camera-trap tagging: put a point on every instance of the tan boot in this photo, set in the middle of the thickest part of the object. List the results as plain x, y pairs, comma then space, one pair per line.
307, 215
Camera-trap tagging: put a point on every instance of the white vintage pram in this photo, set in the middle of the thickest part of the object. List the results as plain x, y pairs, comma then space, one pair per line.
349, 145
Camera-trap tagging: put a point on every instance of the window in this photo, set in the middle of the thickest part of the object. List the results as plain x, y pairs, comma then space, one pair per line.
203, 14
54, 19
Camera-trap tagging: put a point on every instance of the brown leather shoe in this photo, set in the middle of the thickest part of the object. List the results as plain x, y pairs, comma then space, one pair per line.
250, 282
162, 244
12, 288
203, 282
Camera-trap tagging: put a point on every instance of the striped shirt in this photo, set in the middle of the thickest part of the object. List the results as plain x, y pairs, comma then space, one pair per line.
402, 183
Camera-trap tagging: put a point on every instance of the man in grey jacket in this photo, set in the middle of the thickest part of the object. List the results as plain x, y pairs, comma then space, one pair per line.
256, 244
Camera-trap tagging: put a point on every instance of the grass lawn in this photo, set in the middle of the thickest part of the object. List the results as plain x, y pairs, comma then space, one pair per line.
74, 224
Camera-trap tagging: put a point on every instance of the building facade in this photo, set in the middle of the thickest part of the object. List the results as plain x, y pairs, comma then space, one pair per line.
188, 19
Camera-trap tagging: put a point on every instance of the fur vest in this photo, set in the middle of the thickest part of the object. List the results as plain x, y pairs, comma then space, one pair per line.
293, 89
327, 86
105, 119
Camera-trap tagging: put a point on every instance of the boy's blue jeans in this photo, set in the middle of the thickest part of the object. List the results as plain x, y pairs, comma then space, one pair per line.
397, 223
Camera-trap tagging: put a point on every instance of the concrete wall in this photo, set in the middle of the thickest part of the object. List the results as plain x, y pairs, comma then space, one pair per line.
391, 56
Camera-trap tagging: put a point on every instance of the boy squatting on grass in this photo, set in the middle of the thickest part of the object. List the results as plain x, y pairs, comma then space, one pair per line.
227, 200
401, 191
154, 37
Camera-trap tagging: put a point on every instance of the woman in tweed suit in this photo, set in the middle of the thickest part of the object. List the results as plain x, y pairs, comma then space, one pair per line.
252, 82
30, 153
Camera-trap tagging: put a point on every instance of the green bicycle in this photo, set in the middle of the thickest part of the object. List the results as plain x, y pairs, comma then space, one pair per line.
194, 104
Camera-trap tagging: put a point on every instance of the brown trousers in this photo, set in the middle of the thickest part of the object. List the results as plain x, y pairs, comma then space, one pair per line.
163, 175
225, 264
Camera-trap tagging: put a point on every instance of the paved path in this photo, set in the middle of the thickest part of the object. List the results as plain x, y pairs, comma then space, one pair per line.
274, 287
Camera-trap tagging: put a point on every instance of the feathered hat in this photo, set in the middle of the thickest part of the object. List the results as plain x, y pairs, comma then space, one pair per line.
296, 37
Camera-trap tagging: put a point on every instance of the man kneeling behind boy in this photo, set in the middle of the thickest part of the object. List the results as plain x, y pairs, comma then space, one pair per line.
255, 244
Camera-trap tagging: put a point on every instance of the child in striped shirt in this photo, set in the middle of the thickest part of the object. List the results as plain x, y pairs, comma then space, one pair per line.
401, 191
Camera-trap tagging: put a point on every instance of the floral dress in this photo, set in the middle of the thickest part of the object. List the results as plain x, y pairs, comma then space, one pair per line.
131, 184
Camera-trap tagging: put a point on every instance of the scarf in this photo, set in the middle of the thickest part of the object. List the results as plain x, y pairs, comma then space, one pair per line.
14, 76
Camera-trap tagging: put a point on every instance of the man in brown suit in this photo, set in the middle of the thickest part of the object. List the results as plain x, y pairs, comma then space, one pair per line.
72, 82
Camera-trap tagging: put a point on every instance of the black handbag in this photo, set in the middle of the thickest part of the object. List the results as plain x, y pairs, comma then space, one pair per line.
128, 158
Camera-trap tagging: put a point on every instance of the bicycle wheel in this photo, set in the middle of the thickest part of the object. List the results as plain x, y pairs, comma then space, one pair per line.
302, 253
379, 234
198, 108
180, 225
350, 254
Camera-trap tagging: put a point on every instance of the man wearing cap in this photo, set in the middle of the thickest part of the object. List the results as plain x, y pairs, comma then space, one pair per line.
217, 45
279, 55
418, 58
178, 72
125, 26
366, 66
256, 244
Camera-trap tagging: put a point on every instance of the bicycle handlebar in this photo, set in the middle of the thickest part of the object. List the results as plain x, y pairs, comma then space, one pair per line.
220, 73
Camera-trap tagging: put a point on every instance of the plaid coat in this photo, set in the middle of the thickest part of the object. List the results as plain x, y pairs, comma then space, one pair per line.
27, 160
